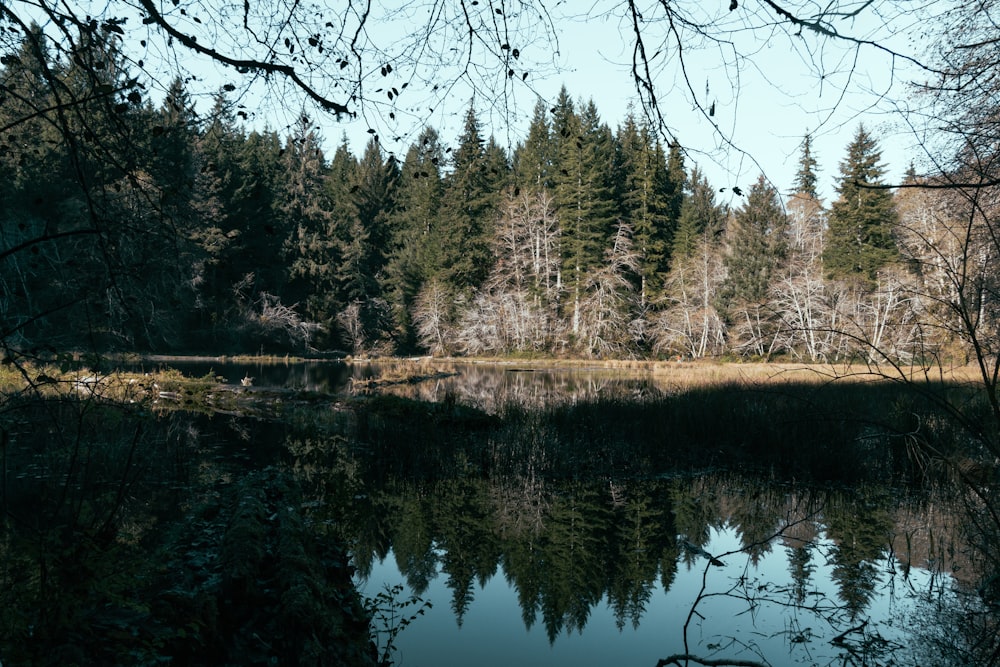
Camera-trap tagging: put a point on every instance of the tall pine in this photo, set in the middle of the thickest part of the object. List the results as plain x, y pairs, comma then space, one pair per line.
699, 216
859, 239
468, 205
756, 246
414, 256
584, 195
645, 193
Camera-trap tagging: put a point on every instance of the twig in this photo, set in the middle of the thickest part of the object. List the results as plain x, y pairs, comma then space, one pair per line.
708, 662
839, 639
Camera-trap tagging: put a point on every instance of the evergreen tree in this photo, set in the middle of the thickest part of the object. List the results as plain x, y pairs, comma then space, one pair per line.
756, 246
34, 191
533, 159
305, 212
363, 246
373, 192
173, 162
859, 240
805, 210
414, 256
584, 195
467, 206
259, 237
218, 235
645, 201
699, 216
805, 177
676, 184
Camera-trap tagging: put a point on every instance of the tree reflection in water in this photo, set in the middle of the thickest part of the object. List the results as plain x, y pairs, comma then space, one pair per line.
557, 508
798, 567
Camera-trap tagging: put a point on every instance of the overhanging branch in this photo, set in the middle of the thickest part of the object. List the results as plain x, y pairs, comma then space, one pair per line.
271, 68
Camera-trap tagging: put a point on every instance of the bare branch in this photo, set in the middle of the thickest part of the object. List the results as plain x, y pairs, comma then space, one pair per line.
239, 63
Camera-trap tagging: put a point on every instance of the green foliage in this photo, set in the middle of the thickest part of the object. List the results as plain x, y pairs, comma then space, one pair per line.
471, 194
583, 191
805, 178
390, 616
756, 246
700, 217
648, 198
859, 239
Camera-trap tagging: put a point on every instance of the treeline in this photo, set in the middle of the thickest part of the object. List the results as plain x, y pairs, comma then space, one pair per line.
132, 225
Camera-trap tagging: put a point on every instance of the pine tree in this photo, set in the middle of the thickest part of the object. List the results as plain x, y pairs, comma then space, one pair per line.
259, 236
676, 184
217, 234
805, 210
305, 212
468, 204
699, 216
805, 177
173, 162
413, 258
584, 196
859, 240
533, 160
756, 246
364, 237
646, 194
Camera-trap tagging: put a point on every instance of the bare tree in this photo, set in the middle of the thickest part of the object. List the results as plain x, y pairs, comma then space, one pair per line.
432, 316
689, 325
517, 308
607, 308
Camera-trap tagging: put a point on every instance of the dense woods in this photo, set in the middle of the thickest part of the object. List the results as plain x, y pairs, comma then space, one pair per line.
157, 226
137, 215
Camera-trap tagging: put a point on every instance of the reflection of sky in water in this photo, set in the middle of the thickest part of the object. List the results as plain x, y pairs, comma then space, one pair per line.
493, 631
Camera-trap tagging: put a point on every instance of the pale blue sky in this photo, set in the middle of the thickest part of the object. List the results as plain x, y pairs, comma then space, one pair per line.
768, 86
764, 106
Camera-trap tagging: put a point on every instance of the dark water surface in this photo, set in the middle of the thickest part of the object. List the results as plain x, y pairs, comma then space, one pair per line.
495, 515
507, 565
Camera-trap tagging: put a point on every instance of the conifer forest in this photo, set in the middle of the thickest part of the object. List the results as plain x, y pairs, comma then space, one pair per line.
271, 395
167, 228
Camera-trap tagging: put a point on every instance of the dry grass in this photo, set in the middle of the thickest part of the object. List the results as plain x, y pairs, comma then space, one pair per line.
700, 373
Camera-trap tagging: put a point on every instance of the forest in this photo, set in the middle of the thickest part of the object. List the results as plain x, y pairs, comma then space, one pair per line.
150, 516
158, 227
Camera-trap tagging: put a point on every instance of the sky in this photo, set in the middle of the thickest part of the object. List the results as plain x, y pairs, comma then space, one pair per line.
767, 86
763, 106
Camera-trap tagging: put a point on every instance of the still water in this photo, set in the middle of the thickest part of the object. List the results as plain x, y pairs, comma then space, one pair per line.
487, 564
779, 602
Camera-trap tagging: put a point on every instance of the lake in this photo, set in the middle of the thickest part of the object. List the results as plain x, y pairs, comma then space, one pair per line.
492, 514
544, 556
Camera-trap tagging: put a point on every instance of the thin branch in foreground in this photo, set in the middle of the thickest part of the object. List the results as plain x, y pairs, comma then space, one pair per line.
678, 658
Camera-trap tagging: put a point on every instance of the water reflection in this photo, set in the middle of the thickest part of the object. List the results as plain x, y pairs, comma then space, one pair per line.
485, 386
794, 569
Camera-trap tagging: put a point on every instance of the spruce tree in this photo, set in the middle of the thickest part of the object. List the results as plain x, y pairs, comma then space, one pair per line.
859, 240
645, 200
756, 246
805, 210
699, 216
414, 256
676, 184
260, 237
305, 213
533, 159
364, 237
218, 232
468, 204
584, 196
805, 177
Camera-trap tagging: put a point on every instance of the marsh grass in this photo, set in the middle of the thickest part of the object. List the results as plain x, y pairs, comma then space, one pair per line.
825, 432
